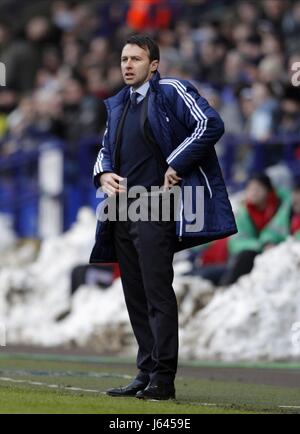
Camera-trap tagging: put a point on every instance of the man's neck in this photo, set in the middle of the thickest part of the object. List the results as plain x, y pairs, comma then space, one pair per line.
142, 89
139, 85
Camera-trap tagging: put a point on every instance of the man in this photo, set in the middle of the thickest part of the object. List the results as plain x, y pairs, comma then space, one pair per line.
159, 133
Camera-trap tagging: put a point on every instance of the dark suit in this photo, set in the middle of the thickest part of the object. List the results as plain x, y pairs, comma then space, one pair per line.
145, 251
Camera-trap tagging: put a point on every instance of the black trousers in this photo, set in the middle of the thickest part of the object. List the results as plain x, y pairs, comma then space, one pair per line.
145, 251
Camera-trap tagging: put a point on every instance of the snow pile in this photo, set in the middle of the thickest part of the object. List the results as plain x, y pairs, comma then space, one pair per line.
33, 296
7, 238
253, 319
98, 319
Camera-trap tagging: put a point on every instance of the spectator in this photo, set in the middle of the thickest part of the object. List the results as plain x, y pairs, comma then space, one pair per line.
289, 116
149, 15
62, 16
286, 222
271, 45
248, 12
47, 114
25, 55
261, 207
82, 107
291, 27
274, 13
212, 57
234, 68
271, 71
265, 108
246, 105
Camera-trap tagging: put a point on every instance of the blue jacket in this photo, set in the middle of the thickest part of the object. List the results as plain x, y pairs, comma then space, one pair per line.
186, 128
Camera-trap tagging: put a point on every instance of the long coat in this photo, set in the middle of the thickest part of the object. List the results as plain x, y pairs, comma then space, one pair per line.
186, 128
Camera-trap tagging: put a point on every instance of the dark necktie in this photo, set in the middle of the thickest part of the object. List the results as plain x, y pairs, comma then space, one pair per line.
134, 97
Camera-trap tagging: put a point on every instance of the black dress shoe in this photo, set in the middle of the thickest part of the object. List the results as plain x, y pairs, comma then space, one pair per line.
130, 390
157, 390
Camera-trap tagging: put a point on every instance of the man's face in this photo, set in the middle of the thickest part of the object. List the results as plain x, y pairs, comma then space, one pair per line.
256, 194
136, 66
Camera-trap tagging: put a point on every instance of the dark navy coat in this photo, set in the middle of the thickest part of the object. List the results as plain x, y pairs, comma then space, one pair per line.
186, 128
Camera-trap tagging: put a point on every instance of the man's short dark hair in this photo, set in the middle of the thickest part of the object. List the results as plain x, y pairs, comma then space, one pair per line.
145, 41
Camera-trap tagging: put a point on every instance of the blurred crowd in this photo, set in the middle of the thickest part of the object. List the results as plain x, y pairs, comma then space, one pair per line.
62, 60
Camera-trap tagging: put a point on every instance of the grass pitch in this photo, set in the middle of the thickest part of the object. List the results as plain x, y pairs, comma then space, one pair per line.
76, 385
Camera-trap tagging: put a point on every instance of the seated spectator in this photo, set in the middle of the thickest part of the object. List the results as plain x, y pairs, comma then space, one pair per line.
263, 205
286, 222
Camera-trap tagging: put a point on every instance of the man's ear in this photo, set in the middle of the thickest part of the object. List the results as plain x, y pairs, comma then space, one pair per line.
154, 66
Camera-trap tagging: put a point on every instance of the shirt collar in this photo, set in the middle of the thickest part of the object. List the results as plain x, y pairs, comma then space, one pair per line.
142, 90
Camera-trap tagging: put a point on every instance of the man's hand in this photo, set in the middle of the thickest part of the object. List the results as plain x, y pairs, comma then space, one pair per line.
171, 178
110, 183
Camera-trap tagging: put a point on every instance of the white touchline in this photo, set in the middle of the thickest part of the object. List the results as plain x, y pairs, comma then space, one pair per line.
51, 386
78, 389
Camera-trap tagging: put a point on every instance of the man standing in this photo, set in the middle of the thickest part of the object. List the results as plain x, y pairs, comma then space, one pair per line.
160, 132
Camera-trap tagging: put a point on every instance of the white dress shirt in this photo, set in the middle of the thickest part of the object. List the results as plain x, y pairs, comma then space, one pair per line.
142, 90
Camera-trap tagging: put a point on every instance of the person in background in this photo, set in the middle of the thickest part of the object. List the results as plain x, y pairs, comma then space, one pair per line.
265, 109
256, 215
286, 222
289, 117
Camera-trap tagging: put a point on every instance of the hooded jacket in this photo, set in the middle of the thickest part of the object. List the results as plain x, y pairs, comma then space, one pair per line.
185, 128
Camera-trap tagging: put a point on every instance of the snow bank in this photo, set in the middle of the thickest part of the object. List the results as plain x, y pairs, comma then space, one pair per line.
33, 296
253, 319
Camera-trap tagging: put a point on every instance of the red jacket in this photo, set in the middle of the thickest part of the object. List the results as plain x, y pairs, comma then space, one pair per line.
261, 218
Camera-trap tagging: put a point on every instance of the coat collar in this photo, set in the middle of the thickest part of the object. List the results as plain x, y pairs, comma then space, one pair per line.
121, 97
